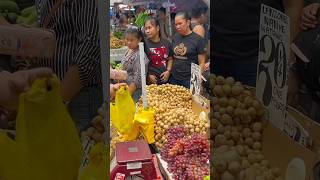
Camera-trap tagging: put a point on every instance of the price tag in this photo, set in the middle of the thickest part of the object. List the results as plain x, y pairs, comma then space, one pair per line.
195, 81
272, 74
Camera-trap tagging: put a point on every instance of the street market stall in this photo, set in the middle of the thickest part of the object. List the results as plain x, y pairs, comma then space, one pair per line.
173, 106
26, 41
172, 119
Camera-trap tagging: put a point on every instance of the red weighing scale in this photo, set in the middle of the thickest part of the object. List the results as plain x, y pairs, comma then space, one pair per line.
134, 159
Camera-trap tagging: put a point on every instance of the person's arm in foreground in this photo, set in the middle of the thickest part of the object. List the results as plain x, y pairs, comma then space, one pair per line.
13, 84
165, 75
114, 88
86, 62
136, 83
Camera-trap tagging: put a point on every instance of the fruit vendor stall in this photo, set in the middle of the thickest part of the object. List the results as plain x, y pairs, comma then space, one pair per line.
236, 132
244, 139
169, 125
172, 121
24, 39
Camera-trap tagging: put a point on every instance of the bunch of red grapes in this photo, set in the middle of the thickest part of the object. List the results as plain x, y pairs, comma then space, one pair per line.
187, 158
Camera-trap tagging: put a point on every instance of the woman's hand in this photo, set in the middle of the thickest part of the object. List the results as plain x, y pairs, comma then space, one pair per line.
152, 79
165, 76
13, 84
114, 88
132, 88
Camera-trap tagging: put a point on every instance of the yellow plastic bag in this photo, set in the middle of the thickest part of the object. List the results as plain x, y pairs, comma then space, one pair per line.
122, 112
145, 120
143, 123
97, 168
129, 123
47, 145
132, 135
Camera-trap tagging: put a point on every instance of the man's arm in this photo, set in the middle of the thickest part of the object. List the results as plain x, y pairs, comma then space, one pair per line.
199, 29
86, 63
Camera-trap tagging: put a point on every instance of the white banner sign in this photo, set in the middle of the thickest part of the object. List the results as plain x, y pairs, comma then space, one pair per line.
272, 75
195, 81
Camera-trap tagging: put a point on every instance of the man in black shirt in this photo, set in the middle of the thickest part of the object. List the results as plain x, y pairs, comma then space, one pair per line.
236, 37
304, 84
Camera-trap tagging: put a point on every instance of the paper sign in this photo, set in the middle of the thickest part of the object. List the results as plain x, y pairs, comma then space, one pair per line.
143, 74
272, 74
195, 81
293, 129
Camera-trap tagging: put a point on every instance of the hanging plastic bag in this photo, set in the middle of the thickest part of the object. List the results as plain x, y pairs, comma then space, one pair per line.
132, 135
47, 145
97, 168
145, 120
143, 123
122, 111
129, 123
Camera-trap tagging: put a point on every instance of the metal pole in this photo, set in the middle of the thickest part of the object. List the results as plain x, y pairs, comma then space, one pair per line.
104, 25
168, 13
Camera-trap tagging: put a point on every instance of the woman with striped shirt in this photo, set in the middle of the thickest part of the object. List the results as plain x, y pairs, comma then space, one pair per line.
77, 57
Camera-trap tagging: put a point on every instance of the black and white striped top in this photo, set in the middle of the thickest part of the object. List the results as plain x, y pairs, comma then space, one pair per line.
77, 32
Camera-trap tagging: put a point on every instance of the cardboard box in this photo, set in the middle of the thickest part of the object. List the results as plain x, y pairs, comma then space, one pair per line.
199, 104
280, 150
27, 41
312, 127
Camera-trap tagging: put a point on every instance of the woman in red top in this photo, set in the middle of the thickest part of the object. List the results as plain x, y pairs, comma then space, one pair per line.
159, 51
